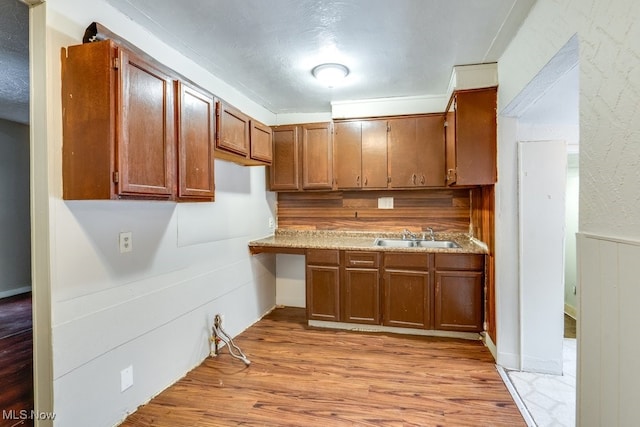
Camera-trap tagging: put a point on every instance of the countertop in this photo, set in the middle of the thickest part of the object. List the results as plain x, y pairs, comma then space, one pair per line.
296, 242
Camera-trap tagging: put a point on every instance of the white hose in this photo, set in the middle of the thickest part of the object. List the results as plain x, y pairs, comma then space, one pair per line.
220, 335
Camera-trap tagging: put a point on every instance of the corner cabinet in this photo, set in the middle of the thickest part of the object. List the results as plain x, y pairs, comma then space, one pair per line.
131, 129
302, 157
284, 173
471, 135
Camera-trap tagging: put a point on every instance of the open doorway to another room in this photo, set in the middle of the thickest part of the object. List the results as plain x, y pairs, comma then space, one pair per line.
16, 336
549, 112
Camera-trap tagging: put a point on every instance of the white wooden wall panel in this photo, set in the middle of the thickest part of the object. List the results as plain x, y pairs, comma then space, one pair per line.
608, 343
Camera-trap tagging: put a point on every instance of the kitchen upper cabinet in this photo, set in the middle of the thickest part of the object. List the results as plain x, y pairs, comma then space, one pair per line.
416, 150
233, 130
361, 287
118, 125
471, 138
261, 145
284, 172
196, 128
241, 139
360, 154
317, 156
459, 292
407, 291
323, 284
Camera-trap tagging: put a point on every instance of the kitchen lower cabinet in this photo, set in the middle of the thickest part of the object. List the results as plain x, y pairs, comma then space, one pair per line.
407, 291
361, 287
323, 284
459, 283
441, 291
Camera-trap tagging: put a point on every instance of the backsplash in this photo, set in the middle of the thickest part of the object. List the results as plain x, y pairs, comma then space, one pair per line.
444, 210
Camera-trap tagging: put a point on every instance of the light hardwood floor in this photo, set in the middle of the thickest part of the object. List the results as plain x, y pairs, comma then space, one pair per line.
301, 376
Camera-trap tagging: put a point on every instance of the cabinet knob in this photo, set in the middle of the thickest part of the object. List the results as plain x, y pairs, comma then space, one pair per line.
366, 180
358, 180
413, 179
422, 180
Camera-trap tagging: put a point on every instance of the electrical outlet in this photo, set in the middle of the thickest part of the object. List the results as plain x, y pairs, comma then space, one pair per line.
126, 241
126, 378
271, 223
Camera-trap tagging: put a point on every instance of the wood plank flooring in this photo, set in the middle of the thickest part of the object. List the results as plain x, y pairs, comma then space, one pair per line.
301, 376
16, 358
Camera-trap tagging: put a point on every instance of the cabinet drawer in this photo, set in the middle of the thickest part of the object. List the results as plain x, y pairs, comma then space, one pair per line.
459, 262
323, 256
406, 260
361, 259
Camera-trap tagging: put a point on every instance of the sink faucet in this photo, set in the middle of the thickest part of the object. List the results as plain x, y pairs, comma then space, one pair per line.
408, 234
432, 236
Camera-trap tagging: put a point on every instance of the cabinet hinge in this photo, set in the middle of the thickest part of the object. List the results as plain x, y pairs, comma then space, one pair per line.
388, 180
388, 128
446, 123
116, 63
116, 177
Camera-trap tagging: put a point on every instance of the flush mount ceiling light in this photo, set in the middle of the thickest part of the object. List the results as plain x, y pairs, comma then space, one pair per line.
330, 74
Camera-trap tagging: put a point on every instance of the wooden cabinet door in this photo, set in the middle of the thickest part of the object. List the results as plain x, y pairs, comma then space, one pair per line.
430, 151
361, 287
284, 172
475, 136
261, 142
458, 301
407, 301
347, 154
402, 152
88, 149
374, 154
317, 158
416, 149
233, 130
146, 129
323, 285
196, 127
407, 290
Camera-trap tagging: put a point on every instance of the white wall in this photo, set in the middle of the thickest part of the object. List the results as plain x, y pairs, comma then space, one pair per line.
15, 245
609, 40
151, 308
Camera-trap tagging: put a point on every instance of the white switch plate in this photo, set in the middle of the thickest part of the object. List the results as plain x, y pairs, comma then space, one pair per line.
126, 378
385, 202
126, 242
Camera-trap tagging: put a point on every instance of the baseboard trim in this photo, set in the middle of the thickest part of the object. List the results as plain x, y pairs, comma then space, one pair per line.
516, 397
16, 291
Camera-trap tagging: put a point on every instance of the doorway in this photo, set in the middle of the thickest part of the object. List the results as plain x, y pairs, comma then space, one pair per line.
548, 110
16, 330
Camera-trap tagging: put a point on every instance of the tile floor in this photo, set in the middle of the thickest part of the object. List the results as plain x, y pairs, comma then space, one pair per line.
548, 400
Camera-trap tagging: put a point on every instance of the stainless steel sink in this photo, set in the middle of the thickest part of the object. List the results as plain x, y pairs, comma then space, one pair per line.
417, 243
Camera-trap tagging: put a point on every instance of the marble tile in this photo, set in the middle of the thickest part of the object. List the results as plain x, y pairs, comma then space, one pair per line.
550, 399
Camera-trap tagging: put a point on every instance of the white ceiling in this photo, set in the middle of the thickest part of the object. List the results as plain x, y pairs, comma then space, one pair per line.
266, 49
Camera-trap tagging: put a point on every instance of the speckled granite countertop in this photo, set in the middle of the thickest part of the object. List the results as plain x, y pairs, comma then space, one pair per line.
294, 241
